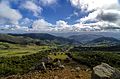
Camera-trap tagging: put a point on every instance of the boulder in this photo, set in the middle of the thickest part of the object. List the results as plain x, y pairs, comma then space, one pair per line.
105, 71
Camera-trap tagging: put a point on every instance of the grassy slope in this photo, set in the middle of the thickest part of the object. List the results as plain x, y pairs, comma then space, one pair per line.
95, 58
60, 55
15, 58
19, 50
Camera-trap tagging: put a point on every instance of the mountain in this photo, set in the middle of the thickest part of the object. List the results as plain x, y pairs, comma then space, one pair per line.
48, 37
84, 38
106, 34
19, 39
104, 41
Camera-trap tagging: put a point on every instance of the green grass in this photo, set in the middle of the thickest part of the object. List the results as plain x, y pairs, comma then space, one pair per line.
19, 50
20, 59
58, 56
95, 58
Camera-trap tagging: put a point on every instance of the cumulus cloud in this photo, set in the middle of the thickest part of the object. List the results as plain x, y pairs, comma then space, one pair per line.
41, 25
31, 6
62, 24
90, 5
8, 15
104, 14
110, 16
47, 2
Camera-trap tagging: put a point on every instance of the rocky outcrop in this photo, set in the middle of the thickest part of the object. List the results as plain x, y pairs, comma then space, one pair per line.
105, 71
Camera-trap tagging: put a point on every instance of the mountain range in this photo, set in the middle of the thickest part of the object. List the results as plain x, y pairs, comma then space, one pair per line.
85, 37
103, 41
46, 39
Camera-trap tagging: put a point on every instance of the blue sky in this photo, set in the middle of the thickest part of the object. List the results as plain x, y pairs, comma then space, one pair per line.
59, 15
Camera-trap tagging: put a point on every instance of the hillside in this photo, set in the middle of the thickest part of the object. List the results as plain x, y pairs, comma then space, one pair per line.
19, 40
104, 41
48, 37
84, 37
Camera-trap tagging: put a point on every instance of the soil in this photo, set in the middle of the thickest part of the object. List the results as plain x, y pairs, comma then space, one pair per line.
66, 73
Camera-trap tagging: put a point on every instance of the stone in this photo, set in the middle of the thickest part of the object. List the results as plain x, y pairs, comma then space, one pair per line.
47, 60
87, 70
77, 69
61, 66
56, 77
73, 70
105, 71
43, 65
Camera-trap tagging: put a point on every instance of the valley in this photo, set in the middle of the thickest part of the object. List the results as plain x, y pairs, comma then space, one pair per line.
64, 59
59, 39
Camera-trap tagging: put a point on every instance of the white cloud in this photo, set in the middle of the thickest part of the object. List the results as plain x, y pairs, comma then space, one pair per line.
90, 5
32, 7
8, 15
61, 24
47, 2
41, 25
110, 17
105, 13
72, 15
91, 17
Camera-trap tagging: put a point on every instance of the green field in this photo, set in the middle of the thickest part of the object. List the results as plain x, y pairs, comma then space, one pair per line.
59, 55
19, 50
20, 59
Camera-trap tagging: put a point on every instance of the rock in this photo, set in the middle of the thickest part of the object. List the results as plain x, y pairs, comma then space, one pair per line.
56, 77
61, 66
87, 70
47, 60
59, 63
73, 70
77, 76
104, 71
77, 69
43, 65
39, 66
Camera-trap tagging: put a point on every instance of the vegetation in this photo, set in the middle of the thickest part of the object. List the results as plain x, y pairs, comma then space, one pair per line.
94, 58
21, 53
58, 55
21, 64
96, 48
51, 38
7, 49
18, 40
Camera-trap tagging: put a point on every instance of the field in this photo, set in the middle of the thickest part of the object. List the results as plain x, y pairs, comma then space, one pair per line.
94, 58
20, 60
15, 58
58, 55
8, 49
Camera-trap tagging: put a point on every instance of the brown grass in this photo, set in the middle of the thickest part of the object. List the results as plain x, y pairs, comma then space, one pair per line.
66, 73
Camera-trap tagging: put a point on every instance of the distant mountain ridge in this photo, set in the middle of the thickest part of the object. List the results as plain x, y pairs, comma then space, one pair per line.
17, 39
104, 41
84, 38
49, 37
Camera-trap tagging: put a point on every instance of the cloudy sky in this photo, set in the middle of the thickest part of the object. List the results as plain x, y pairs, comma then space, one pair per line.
59, 15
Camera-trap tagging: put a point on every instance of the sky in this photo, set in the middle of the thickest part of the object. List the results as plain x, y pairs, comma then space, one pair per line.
59, 15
